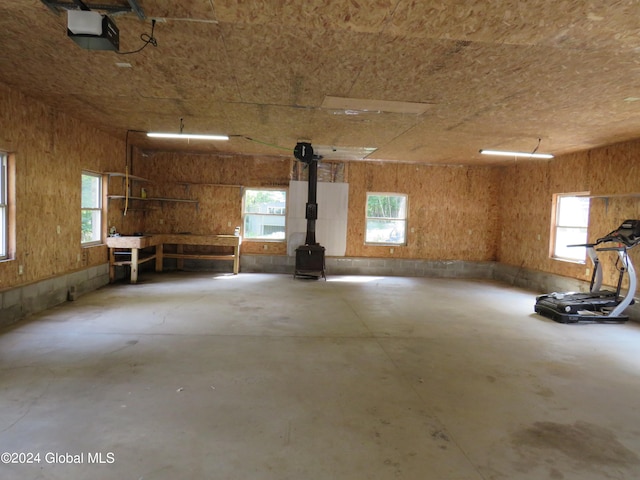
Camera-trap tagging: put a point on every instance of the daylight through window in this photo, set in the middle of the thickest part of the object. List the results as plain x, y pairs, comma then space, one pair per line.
571, 222
264, 214
386, 220
91, 208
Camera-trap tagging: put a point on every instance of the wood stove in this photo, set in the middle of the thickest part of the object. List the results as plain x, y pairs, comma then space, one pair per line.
310, 256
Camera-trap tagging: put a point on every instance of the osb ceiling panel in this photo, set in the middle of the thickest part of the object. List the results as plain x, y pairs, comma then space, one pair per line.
494, 74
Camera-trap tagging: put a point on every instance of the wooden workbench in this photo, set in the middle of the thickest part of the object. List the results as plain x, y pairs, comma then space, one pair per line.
133, 245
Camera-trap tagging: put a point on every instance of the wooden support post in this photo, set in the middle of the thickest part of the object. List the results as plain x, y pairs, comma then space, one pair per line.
134, 264
236, 259
112, 267
159, 256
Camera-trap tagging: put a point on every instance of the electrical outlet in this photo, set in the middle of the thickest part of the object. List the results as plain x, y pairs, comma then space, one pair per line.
58, 229
391, 250
20, 269
264, 247
228, 224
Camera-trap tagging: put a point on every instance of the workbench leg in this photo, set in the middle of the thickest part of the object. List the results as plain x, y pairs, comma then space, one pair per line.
159, 255
112, 267
134, 265
180, 261
236, 260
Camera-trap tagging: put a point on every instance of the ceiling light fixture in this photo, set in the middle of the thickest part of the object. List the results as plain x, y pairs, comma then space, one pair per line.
187, 136
505, 153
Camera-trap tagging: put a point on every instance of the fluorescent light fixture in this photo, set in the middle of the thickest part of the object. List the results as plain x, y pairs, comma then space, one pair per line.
516, 154
187, 136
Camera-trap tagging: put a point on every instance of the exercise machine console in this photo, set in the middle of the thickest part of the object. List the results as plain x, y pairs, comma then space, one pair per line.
598, 305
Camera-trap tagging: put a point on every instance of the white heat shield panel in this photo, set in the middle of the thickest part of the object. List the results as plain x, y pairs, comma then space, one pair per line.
331, 225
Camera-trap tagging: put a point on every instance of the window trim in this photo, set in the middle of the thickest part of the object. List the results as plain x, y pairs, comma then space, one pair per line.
554, 227
10, 192
405, 219
5, 254
101, 183
284, 215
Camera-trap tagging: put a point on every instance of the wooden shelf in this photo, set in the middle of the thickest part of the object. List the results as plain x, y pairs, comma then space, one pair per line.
120, 263
139, 198
151, 199
161, 199
198, 256
122, 197
616, 195
130, 177
205, 184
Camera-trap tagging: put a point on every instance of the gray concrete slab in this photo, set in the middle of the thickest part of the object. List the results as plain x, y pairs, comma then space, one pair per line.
260, 376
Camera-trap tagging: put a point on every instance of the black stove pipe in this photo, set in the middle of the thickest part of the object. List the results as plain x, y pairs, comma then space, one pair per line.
310, 257
312, 207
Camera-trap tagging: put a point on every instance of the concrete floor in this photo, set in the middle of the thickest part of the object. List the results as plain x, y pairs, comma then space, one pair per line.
258, 376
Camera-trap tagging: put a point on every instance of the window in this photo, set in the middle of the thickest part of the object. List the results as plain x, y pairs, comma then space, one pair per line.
570, 227
91, 208
386, 218
264, 214
4, 207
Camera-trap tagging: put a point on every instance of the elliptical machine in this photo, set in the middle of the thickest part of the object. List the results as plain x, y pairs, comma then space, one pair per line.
598, 305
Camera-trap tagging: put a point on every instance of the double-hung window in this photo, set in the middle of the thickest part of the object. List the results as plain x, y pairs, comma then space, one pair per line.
386, 218
4, 206
264, 214
570, 224
91, 208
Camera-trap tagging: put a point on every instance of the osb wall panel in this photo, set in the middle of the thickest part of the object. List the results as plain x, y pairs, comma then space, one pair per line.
452, 214
614, 169
525, 214
50, 150
526, 204
216, 183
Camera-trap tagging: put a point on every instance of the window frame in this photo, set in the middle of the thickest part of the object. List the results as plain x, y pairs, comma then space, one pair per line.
555, 215
283, 215
404, 219
4, 207
100, 208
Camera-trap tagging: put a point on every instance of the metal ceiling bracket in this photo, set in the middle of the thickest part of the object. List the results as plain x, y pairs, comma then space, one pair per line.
56, 6
51, 7
82, 5
136, 8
